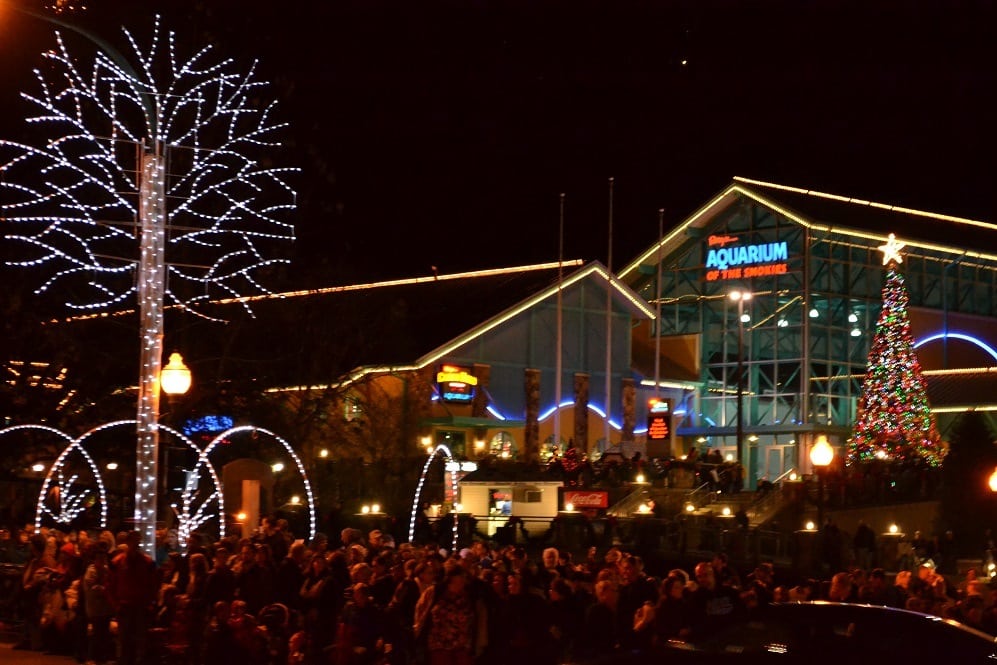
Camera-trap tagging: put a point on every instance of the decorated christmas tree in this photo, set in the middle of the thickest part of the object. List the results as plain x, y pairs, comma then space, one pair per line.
894, 419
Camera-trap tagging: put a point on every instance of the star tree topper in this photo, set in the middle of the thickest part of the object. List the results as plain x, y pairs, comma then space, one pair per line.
891, 250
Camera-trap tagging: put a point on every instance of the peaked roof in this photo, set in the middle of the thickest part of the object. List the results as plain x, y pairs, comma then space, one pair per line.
440, 313
962, 389
831, 213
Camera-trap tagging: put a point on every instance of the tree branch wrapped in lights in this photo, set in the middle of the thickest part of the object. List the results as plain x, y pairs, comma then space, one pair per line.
154, 184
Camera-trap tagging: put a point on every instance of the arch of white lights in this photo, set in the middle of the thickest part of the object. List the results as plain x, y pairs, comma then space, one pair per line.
287, 447
448, 458
74, 444
185, 522
77, 444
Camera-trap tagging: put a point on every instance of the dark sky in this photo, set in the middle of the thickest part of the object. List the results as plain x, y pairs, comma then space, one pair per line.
441, 133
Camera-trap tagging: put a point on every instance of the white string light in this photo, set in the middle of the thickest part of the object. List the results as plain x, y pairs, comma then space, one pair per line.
445, 452
79, 219
252, 429
71, 503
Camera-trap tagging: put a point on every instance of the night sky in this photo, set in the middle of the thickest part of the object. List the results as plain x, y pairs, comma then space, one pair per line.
442, 133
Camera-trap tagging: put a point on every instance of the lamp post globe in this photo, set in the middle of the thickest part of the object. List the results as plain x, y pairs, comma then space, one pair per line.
821, 456
175, 378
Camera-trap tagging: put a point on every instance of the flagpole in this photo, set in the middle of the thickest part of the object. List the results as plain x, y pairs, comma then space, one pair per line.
609, 323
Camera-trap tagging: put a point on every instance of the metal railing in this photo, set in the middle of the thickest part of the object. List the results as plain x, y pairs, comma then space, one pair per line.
629, 504
700, 496
769, 502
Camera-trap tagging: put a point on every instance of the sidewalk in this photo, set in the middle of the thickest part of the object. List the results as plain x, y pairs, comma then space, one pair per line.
9, 655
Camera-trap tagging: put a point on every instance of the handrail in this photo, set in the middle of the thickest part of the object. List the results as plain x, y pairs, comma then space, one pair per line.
628, 504
765, 503
691, 496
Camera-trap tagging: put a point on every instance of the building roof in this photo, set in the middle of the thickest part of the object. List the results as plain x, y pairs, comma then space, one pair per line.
510, 472
408, 324
834, 214
962, 389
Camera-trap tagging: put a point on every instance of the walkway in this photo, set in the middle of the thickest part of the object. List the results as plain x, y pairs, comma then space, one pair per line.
8, 656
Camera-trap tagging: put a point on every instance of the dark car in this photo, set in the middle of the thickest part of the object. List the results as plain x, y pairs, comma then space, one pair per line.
820, 632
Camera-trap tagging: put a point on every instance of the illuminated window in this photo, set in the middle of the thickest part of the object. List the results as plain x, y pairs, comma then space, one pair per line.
503, 445
548, 449
352, 410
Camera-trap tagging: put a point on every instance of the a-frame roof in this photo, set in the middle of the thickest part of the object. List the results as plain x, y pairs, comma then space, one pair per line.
447, 312
338, 333
622, 295
834, 214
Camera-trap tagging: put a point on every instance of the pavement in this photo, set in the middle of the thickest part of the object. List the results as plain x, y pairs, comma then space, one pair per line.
10, 656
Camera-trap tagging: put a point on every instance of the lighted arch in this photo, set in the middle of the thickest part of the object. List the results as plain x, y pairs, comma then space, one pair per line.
74, 444
448, 458
290, 451
186, 523
961, 336
591, 407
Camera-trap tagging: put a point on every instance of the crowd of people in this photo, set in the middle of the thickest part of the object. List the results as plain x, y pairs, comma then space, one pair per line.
273, 600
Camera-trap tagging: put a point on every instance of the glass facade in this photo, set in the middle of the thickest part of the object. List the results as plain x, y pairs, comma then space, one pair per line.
799, 351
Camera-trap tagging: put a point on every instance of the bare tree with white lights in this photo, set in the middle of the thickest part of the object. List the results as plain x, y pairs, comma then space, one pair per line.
151, 180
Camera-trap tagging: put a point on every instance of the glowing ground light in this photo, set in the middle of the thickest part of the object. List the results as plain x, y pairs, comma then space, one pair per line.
438, 451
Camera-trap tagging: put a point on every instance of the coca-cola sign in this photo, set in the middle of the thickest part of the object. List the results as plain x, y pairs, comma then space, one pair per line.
582, 499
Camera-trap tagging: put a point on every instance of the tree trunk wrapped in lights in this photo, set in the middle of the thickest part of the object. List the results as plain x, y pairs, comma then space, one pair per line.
151, 183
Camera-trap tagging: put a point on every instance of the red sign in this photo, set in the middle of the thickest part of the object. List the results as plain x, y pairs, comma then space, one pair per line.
720, 241
657, 427
580, 499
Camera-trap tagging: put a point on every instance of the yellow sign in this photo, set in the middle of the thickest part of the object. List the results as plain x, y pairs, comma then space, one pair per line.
455, 375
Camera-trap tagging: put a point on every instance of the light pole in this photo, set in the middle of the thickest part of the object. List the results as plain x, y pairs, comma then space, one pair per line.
174, 380
740, 297
150, 282
821, 455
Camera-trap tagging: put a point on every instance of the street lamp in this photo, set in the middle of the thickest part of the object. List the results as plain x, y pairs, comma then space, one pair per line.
821, 455
740, 297
175, 378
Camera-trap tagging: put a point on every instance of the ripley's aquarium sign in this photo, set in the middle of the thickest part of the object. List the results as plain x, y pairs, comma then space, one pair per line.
726, 258
456, 384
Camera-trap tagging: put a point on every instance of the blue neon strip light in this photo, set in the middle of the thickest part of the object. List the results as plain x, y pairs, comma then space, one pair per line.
964, 337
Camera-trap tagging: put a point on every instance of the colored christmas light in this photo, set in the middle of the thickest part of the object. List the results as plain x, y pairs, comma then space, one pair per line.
894, 418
